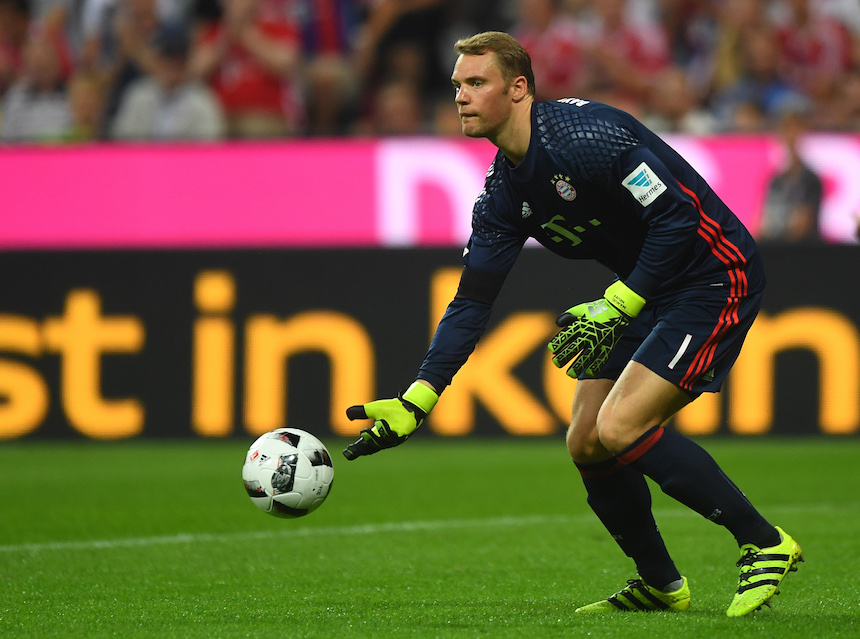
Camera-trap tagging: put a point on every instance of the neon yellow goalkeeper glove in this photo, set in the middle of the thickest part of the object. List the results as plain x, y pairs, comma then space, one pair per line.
592, 329
394, 420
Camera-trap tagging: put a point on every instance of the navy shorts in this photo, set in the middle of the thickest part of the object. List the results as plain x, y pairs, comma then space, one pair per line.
691, 340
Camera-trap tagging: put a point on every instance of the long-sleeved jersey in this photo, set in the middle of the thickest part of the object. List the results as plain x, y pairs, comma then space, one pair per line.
594, 184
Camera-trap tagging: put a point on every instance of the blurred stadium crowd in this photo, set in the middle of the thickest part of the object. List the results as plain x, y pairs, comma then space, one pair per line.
86, 70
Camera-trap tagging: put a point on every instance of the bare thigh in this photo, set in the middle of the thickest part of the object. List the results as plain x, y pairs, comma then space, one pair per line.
637, 402
610, 415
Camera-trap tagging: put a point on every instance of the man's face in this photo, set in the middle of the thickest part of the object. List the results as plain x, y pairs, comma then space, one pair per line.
482, 98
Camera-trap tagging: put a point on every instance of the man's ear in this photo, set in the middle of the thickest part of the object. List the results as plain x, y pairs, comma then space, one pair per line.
519, 88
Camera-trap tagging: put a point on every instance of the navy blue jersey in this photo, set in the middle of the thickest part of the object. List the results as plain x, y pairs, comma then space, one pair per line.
594, 184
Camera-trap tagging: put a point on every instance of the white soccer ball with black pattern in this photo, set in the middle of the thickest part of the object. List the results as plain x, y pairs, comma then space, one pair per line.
288, 473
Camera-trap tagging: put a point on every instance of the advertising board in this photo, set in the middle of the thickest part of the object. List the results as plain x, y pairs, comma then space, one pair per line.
120, 344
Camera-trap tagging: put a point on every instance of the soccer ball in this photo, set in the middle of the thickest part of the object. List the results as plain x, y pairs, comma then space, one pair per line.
288, 473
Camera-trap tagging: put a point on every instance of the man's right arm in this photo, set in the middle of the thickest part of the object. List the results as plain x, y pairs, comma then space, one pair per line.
492, 250
461, 326
458, 332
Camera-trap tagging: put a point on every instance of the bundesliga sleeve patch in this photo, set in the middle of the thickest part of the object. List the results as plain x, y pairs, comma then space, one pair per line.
644, 184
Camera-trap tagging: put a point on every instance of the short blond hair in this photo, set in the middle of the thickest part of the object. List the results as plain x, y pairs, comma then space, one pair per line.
514, 61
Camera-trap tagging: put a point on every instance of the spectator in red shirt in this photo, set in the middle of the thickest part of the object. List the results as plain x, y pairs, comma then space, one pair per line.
552, 41
624, 56
14, 23
20, 23
815, 50
252, 63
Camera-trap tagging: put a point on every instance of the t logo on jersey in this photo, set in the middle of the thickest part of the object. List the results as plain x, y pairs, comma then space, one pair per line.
644, 184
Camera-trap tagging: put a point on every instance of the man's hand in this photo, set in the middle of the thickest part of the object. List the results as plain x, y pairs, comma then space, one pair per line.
394, 420
592, 329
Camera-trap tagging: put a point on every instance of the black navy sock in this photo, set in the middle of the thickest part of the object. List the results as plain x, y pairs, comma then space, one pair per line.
687, 473
620, 498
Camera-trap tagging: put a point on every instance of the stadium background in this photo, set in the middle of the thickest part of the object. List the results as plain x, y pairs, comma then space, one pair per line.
163, 300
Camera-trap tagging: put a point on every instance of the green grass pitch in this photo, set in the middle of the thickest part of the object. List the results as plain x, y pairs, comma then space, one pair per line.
438, 538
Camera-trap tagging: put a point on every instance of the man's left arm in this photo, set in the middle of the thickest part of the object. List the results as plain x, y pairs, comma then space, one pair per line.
591, 330
670, 209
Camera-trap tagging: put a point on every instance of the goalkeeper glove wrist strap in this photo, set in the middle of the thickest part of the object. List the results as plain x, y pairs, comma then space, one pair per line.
422, 396
624, 298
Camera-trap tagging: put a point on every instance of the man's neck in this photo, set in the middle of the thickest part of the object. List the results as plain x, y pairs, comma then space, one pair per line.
513, 140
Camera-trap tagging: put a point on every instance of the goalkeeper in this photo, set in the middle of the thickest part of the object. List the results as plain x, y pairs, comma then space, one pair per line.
588, 181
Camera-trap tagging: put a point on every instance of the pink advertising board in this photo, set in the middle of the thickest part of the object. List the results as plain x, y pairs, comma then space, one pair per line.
396, 192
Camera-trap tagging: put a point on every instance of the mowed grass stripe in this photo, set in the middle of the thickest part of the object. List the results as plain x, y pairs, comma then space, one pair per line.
371, 529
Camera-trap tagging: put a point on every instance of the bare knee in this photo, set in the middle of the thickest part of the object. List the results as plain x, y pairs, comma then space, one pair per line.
584, 445
610, 434
618, 428
596, 441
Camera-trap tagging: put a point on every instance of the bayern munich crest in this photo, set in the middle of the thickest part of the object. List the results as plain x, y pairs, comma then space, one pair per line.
564, 188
